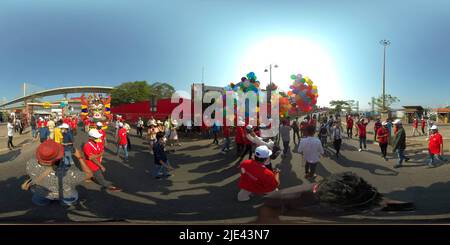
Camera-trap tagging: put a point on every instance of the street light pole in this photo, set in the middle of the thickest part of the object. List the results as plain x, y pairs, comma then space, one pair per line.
385, 43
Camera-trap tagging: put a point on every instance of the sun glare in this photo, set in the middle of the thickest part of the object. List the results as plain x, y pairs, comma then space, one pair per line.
292, 55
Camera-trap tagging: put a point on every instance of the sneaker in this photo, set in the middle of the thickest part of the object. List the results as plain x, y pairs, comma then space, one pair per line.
114, 189
406, 159
397, 166
360, 149
430, 165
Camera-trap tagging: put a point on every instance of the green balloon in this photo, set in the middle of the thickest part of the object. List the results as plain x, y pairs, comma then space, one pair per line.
293, 77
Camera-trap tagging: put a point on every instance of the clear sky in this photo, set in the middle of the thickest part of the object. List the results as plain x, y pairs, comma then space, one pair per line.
106, 42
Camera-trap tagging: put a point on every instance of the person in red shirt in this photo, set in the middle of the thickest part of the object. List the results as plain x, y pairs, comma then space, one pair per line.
383, 135
349, 126
122, 141
74, 124
423, 124
226, 137
375, 129
93, 158
255, 177
240, 134
362, 129
435, 146
415, 126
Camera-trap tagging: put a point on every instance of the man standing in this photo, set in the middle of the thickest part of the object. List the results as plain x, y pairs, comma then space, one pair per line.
311, 149
296, 130
33, 125
239, 138
337, 137
48, 181
285, 131
415, 126
349, 126
422, 124
435, 146
127, 127
93, 158
160, 157
43, 133
122, 141
383, 135
226, 138
399, 145
10, 128
140, 127
375, 129
255, 177
362, 132
67, 142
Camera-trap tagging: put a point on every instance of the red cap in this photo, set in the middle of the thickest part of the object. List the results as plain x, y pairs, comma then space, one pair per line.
49, 152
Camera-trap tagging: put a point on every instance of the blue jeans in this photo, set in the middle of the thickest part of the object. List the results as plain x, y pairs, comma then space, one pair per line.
362, 141
68, 160
42, 201
401, 156
226, 144
33, 132
161, 171
434, 157
125, 149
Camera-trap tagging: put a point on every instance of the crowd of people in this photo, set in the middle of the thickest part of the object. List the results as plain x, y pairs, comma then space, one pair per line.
313, 135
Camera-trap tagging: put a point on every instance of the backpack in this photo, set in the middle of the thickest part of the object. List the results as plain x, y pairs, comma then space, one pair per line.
323, 131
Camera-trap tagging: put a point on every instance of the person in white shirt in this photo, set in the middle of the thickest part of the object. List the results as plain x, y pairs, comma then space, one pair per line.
10, 127
128, 128
336, 133
311, 149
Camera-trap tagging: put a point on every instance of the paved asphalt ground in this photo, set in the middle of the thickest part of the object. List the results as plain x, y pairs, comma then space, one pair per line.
204, 186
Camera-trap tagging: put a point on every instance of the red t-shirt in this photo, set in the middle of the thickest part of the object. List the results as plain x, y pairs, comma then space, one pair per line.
67, 121
415, 123
226, 131
239, 135
256, 178
122, 134
423, 123
435, 143
382, 135
362, 129
74, 123
39, 124
89, 149
349, 122
45, 123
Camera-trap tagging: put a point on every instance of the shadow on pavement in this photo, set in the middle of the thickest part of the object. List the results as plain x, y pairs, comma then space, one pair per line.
9, 155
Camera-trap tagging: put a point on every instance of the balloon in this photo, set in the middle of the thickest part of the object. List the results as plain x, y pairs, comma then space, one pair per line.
299, 76
293, 77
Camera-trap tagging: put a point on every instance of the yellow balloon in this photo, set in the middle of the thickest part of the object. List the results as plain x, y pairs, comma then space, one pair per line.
257, 109
314, 87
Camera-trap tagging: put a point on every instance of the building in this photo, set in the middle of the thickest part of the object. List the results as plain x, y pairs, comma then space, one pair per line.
442, 115
411, 112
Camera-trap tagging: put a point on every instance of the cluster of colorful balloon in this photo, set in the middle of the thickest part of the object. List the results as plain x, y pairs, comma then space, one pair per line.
285, 106
303, 93
248, 83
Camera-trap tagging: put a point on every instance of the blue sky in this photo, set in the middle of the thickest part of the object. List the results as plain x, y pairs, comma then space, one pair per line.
100, 42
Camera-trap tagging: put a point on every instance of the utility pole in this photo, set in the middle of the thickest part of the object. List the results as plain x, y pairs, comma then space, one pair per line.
385, 43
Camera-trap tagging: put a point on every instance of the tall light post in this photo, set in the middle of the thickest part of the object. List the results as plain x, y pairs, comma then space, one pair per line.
270, 72
385, 43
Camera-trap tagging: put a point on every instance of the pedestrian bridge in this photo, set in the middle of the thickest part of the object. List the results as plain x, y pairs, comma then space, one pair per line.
59, 91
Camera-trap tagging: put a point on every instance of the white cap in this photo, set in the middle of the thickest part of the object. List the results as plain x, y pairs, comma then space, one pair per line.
249, 127
434, 127
397, 121
64, 125
120, 124
95, 134
99, 124
384, 123
174, 122
263, 152
158, 122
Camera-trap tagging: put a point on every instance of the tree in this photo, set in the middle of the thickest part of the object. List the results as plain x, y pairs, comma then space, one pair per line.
389, 100
349, 107
161, 90
137, 91
130, 92
338, 105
